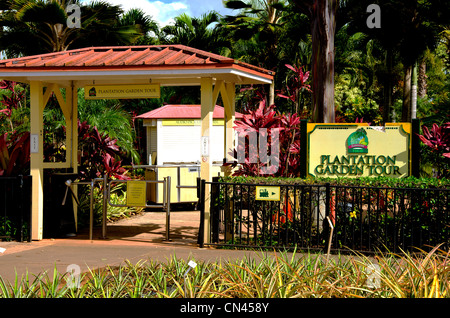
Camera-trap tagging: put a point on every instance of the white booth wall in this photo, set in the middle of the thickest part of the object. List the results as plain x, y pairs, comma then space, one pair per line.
174, 143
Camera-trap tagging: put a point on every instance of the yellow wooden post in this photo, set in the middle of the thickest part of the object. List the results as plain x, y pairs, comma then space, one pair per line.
230, 110
207, 108
74, 122
37, 158
72, 101
228, 95
69, 127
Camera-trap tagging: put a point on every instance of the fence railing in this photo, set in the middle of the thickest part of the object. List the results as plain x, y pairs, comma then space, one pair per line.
15, 208
362, 218
106, 183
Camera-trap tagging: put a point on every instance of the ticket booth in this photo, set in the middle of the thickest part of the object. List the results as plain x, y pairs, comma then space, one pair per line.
174, 149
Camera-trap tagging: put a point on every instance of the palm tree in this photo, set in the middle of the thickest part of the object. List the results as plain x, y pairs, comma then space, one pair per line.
202, 33
256, 29
358, 63
148, 28
39, 26
408, 29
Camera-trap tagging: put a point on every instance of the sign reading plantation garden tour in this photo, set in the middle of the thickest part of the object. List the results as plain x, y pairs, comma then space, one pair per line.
354, 150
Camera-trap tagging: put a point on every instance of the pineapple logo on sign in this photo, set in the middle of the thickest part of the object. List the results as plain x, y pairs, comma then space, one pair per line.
92, 92
357, 142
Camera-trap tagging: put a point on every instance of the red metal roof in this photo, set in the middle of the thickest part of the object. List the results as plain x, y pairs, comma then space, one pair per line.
119, 57
183, 111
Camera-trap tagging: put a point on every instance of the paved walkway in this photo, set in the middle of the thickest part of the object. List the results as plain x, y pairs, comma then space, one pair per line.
137, 238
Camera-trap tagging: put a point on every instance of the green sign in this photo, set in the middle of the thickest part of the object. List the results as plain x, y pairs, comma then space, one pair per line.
268, 193
357, 150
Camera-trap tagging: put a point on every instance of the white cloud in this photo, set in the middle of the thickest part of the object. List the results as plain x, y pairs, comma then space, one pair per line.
163, 11
199, 7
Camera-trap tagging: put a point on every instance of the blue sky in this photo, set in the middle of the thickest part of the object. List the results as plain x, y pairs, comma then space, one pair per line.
163, 11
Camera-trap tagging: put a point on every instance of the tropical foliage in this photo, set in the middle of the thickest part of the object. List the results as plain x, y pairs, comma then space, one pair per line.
282, 275
13, 103
264, 121
100, 154
197, 32
14, 154
437, 139
280, 132
14, 140
33, 27
371, 80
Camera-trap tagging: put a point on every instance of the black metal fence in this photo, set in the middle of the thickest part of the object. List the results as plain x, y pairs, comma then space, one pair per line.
15, 208
362, 219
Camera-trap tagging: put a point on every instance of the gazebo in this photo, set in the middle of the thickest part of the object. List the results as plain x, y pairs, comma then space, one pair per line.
122, 66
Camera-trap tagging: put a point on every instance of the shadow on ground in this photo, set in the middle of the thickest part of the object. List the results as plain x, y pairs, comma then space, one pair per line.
149, 227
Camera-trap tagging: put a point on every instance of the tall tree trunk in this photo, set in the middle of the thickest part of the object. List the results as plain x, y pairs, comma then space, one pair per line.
388, 88
406, 107
414, 92
272, 94
323, 20
422, 79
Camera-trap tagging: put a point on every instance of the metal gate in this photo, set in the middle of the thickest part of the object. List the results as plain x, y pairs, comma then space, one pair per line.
106, 184
325, 216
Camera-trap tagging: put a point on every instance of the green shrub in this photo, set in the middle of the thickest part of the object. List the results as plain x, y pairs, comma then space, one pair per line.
408, 182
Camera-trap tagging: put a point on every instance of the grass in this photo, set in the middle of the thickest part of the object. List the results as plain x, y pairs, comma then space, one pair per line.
272, 275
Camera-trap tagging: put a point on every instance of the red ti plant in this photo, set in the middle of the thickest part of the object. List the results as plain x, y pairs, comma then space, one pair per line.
14, 154
12, 100
438, 139
113, 167
296, 85
255, 121
100, 154
265, 120
281, 129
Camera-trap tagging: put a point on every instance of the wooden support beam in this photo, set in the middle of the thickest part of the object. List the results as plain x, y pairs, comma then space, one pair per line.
48, 93
65, 105
74, 131
228, 96
72, 102
207, 108
217, 89
36, 159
